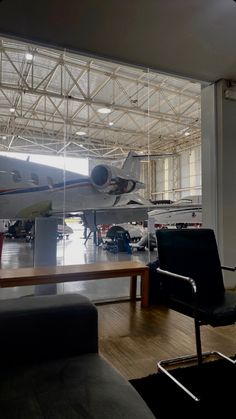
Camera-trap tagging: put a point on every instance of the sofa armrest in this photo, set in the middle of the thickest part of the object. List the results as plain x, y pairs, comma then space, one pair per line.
37, 328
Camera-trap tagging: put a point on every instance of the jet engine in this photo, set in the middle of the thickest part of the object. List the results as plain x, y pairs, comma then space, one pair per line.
114, 181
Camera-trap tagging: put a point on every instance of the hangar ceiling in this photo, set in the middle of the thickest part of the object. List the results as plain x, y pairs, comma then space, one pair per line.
50, 101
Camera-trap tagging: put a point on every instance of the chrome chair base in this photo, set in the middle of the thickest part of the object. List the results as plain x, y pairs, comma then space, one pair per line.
164, 364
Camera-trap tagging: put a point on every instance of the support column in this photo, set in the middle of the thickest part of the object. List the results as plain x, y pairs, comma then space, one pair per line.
219, 171
45, 249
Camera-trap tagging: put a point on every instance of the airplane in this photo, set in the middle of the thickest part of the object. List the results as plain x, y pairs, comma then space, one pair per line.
29, 190
186, 212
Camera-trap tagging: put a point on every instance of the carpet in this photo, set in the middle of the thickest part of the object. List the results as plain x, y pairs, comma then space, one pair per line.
213, 383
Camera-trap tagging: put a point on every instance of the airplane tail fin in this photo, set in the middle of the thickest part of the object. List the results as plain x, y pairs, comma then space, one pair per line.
132, 164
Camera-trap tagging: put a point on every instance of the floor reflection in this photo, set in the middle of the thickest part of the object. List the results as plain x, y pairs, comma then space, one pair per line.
72, 251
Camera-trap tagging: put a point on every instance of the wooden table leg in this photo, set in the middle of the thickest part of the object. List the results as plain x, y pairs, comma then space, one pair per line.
133, 287
145, 289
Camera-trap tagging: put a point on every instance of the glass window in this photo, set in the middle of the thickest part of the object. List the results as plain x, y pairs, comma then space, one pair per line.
16, 176
50, 182
34, 178
119, 133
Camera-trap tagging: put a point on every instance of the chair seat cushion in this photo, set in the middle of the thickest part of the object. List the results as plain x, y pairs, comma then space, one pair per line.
220, 313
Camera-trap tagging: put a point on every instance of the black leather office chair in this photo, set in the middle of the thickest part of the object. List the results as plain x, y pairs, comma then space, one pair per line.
192, 284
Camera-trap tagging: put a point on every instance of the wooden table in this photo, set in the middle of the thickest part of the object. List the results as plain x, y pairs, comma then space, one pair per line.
91, 271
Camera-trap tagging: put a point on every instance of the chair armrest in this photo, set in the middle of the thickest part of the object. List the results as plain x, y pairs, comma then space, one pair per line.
187, 279
229, 268
179, 302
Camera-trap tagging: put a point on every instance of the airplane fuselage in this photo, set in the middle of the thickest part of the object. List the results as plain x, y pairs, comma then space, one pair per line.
29, 189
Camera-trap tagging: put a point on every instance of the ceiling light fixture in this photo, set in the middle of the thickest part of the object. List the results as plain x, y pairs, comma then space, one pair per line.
28, 56
12, 110
4, 137
104, 110
80, 133
111, 123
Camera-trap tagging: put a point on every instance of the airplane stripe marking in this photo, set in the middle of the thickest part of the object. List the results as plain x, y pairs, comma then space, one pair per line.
178, 210
7, 190
55, 187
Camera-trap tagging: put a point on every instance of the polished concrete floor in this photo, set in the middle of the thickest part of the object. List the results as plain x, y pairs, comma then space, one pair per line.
71, 251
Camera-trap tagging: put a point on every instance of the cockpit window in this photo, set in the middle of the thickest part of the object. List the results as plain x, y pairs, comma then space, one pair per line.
34, 178
50, 182
16, 176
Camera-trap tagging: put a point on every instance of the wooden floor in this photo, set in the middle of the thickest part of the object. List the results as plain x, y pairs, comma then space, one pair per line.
134, 339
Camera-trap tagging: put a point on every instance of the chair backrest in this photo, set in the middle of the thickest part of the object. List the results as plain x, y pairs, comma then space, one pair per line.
192, 253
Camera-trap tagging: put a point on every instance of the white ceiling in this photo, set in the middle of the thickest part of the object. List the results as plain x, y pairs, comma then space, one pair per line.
58, 93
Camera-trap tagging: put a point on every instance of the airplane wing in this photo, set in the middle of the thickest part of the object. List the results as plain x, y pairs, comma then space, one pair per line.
127, 209
114, 216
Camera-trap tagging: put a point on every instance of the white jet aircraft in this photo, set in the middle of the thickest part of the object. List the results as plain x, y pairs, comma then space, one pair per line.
29, 190
185, 212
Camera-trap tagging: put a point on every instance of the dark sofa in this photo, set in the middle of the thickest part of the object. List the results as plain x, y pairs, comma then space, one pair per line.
50, 364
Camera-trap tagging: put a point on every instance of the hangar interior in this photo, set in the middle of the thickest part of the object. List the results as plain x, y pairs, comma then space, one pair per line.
57, 103
52, 103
